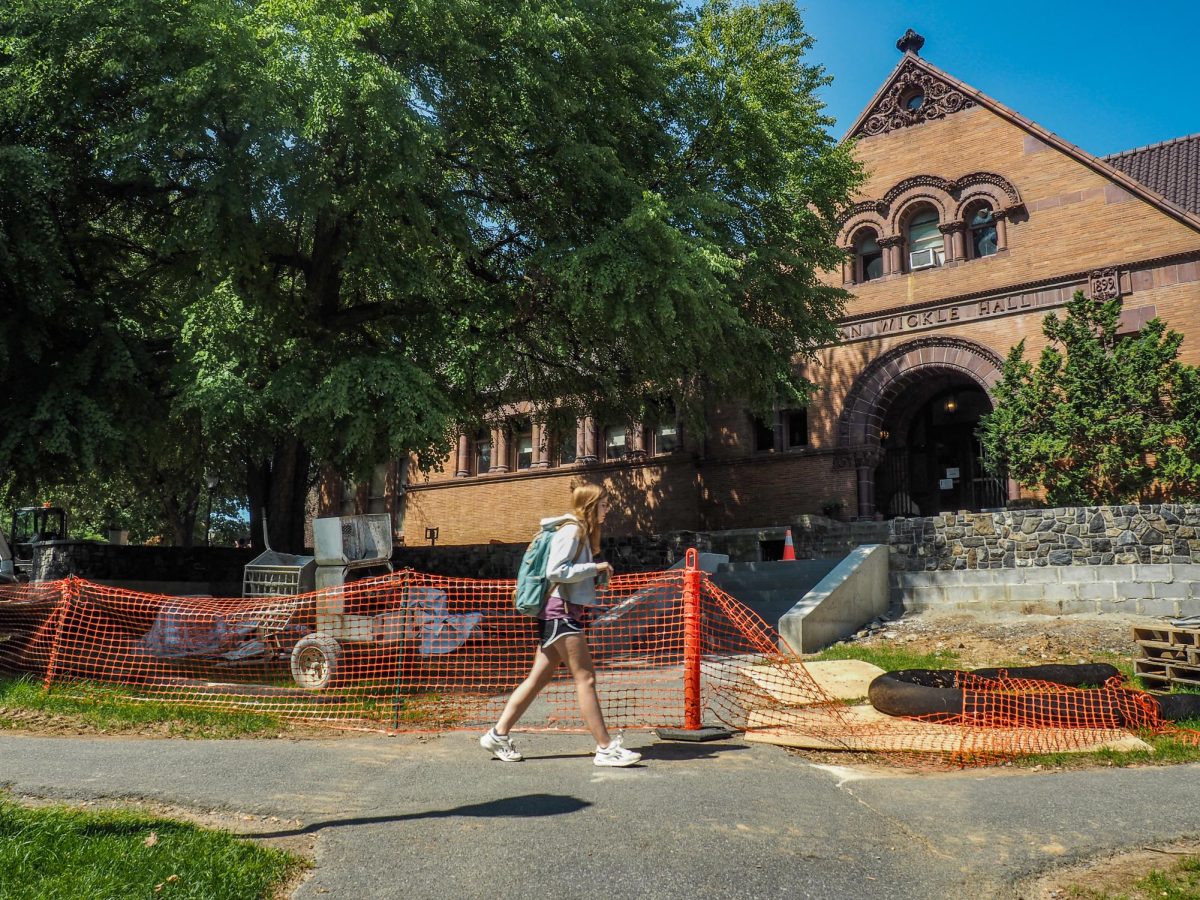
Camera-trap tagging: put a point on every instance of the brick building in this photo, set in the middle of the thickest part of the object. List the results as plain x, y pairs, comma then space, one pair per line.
973, 223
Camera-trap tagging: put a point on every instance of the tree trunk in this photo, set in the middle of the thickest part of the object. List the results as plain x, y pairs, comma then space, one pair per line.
180, 513
278, 489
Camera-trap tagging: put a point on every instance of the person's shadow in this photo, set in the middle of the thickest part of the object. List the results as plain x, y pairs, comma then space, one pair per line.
523, 806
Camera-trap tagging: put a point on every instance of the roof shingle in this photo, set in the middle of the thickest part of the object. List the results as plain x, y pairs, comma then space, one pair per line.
1171, 168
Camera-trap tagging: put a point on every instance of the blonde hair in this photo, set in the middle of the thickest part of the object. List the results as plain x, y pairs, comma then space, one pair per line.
585, 506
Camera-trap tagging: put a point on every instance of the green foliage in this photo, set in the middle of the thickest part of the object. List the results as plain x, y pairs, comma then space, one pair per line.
57, 851
1098, 420
310, 231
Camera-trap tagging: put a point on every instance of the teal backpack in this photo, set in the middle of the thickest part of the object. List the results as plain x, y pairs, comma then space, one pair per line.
533, 588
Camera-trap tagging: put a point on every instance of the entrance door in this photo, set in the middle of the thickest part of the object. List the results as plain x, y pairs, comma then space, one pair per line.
936, 465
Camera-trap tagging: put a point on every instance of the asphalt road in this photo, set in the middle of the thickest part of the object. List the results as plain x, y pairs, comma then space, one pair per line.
436, 817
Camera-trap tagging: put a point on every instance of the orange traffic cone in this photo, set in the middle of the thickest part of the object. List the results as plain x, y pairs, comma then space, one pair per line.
789, 549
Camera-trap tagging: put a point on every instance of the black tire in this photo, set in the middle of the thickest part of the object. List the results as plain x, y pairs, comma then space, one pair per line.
316, 661
934, 693
1174, 707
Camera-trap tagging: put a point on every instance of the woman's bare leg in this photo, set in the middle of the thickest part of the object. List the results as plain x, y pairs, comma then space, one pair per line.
583, 670
544, 664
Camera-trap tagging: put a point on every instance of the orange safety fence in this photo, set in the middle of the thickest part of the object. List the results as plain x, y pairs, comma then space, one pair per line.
412, 652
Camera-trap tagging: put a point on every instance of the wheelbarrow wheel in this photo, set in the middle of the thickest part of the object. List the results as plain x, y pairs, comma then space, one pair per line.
316, 659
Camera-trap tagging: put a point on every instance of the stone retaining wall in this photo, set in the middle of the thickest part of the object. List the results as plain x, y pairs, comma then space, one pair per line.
1074, 536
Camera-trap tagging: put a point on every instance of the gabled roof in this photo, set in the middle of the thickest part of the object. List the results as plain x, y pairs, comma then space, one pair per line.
1171, 168
1165, 182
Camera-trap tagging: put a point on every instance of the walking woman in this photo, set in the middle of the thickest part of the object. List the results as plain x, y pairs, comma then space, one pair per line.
573, 572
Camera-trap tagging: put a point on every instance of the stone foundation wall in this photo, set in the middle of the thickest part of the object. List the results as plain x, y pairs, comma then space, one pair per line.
1077, 536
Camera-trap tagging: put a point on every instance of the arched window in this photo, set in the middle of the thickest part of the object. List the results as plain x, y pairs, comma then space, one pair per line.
926, 246
868, 256
981, 229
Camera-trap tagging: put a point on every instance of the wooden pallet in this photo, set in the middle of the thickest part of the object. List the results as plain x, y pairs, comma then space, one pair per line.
1167, 634
1169, 655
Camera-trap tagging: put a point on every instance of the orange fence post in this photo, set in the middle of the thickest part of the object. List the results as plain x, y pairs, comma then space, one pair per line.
70, 590
691, 641
693, 650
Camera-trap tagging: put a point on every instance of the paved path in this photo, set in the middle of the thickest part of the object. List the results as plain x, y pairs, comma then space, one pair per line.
436, 818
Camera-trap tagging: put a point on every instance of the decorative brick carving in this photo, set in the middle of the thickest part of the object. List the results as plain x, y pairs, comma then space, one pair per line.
1104, 284
943, 192
940, 98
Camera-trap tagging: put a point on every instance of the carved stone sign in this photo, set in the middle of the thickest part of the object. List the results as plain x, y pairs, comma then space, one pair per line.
954, 313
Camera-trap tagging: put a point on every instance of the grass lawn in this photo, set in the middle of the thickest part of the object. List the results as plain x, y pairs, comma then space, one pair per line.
57, 853
114, 709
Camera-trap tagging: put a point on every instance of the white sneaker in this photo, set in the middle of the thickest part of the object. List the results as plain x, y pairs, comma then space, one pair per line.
501, 746
615, 755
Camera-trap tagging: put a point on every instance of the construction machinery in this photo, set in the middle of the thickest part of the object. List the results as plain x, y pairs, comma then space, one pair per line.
30, 525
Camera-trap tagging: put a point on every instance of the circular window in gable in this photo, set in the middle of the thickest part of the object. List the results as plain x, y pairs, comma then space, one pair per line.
914, 100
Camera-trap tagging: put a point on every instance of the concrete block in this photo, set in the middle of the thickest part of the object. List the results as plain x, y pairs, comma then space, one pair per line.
1077, 574
1073, 607
1132, 590
1049, 575
977, 576
928, 596
1158, 607
1115, 573
1061, 593
1187, 572
1163, 572
1102, 590
917, 579
1026, 593
1176, 590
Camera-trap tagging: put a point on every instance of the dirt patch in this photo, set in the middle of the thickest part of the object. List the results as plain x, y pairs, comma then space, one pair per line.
1024, 640
1109, 876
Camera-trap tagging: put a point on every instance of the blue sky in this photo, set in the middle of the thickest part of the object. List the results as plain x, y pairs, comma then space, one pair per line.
1105, 76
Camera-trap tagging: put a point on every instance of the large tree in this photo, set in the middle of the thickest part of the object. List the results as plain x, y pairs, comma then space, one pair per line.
330, 230
1100, 418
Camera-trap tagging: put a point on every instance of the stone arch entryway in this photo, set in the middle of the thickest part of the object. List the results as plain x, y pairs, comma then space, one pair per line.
909, 417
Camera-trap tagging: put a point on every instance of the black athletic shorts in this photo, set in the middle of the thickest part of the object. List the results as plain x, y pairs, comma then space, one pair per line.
550, 630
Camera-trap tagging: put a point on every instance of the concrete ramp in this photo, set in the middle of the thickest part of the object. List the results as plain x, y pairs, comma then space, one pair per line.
854, 592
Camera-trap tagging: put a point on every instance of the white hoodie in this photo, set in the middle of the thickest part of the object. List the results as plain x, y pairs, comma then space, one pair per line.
570, 565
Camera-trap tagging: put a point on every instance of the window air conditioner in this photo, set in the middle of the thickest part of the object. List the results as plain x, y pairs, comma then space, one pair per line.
922, 259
